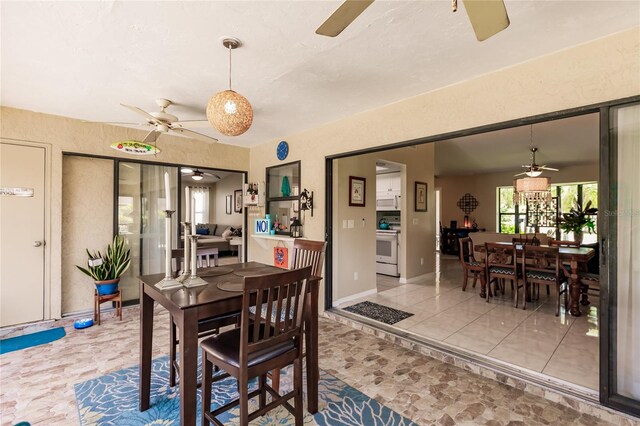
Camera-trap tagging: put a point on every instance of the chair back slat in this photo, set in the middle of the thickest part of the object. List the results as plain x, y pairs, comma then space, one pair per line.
500, 255
560, 243
541, 259
466, 250
309, 253
282, 289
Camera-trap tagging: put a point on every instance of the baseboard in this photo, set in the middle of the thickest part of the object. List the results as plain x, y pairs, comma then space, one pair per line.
416, 279
354, 297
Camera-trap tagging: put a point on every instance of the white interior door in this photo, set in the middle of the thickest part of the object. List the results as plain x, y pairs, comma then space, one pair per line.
21, 234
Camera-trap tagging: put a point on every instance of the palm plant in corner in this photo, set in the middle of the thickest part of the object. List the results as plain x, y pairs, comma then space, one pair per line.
577, 219
107, 269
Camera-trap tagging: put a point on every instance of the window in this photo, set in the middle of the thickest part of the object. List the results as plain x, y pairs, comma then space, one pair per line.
514, 219
201, 211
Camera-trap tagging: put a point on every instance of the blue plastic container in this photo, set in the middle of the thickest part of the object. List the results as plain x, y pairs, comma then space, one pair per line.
83, 323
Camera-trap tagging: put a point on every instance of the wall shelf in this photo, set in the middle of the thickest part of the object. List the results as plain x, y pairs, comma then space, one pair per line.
263, 240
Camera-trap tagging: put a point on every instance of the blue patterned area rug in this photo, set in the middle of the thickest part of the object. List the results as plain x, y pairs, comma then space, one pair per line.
113, 400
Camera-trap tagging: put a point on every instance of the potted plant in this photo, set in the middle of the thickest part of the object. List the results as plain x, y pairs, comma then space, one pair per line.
106, 269
577, 219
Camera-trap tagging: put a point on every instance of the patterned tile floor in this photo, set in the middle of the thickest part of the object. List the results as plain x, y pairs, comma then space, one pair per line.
37, 383
562, 347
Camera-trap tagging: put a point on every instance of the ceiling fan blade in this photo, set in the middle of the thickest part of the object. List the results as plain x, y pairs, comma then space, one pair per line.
549, 168
194, 135
488, 17
116, 123
344, 15
520, 174
152, 136
212, 175
191, 123
142, 112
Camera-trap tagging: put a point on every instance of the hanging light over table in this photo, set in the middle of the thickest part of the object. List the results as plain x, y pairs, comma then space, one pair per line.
229, 112
531, 189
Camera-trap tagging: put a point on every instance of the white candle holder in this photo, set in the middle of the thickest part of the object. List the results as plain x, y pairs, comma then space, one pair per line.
194, 280
168, 281
186, 269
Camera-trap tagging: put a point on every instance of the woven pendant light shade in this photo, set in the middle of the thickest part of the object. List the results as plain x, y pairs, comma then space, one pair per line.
230, 113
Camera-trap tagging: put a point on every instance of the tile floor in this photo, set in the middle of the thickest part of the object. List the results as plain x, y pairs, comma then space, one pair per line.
562, 347
37, 383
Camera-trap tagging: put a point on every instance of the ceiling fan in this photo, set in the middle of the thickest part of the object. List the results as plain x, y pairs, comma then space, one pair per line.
163, 122
535, 170
198, 174
488, 17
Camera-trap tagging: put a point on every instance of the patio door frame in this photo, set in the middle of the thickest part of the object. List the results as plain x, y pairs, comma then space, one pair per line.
608, 397
607, 232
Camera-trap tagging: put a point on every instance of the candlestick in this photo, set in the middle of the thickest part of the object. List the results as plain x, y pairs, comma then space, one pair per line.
186, 269
187, 205
167, 191
193, 216
167, 282
194, 280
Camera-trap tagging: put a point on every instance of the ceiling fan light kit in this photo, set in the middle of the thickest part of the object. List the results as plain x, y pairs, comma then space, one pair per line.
229, 112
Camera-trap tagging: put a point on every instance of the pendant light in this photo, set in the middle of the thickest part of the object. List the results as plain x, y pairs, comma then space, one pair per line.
229, 112
532, 188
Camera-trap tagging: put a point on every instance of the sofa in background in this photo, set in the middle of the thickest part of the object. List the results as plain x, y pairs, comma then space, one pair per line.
214, 235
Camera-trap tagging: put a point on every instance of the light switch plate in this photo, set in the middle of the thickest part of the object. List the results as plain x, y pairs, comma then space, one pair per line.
350, 223
415, 221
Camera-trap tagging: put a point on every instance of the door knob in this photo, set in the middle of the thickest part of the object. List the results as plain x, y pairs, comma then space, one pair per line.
37, 243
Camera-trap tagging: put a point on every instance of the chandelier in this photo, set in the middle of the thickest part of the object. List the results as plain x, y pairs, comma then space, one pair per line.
531, 189
229, 112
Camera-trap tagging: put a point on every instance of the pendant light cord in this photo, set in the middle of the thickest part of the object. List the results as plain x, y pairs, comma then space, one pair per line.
230, 66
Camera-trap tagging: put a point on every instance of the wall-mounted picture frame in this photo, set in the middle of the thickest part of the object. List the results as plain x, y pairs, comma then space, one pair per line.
228, 204
357, 191
237, 201
421, 197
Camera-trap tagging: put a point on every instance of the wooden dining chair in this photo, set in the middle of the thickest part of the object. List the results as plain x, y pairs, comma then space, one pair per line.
502, 265
541, 265
589, 284
470, 264
305, 253
260, 345
207, 326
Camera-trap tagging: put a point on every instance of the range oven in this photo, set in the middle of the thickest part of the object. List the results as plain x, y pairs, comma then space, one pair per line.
387, 247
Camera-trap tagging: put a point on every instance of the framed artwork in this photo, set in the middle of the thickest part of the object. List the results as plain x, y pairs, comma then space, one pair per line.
421, 197
228, 206
357, 188
237, 200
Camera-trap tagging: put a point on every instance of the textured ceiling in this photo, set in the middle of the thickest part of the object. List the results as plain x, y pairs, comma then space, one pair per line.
81, 59
560, 143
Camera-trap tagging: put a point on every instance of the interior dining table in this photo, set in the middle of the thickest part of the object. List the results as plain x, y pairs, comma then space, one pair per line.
576, 257
189, 305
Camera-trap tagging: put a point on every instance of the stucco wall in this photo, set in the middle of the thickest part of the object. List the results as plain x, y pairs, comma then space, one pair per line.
60, 134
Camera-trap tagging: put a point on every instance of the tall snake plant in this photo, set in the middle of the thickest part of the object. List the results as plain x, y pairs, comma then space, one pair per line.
115, 261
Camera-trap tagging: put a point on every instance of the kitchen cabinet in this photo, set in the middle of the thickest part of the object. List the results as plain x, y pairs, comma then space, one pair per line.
388, 183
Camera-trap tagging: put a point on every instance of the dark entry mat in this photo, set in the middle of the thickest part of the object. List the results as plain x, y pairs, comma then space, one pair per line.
377, 312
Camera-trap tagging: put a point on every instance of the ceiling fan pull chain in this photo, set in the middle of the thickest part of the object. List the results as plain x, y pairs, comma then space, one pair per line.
454, 5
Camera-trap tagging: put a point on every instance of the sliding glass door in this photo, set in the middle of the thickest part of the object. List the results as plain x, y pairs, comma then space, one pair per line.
141, 205
620, 378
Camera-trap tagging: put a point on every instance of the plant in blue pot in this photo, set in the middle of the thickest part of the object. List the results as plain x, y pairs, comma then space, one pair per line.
107, 269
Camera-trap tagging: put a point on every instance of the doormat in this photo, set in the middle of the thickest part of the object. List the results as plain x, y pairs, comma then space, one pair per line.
113, 400
377, 312
32, 339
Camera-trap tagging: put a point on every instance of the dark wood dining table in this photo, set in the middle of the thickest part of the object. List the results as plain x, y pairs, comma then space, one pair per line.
575, 256
187, 306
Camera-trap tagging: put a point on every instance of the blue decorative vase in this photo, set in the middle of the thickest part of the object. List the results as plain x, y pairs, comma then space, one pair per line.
107, 287
286, 187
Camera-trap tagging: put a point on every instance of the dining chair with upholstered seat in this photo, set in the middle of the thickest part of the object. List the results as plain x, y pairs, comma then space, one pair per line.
541, 265
502, 265
589, 283
260, 345
470, 264
305, 253
206, 327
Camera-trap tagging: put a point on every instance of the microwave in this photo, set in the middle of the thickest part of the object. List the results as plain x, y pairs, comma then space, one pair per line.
390, 202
